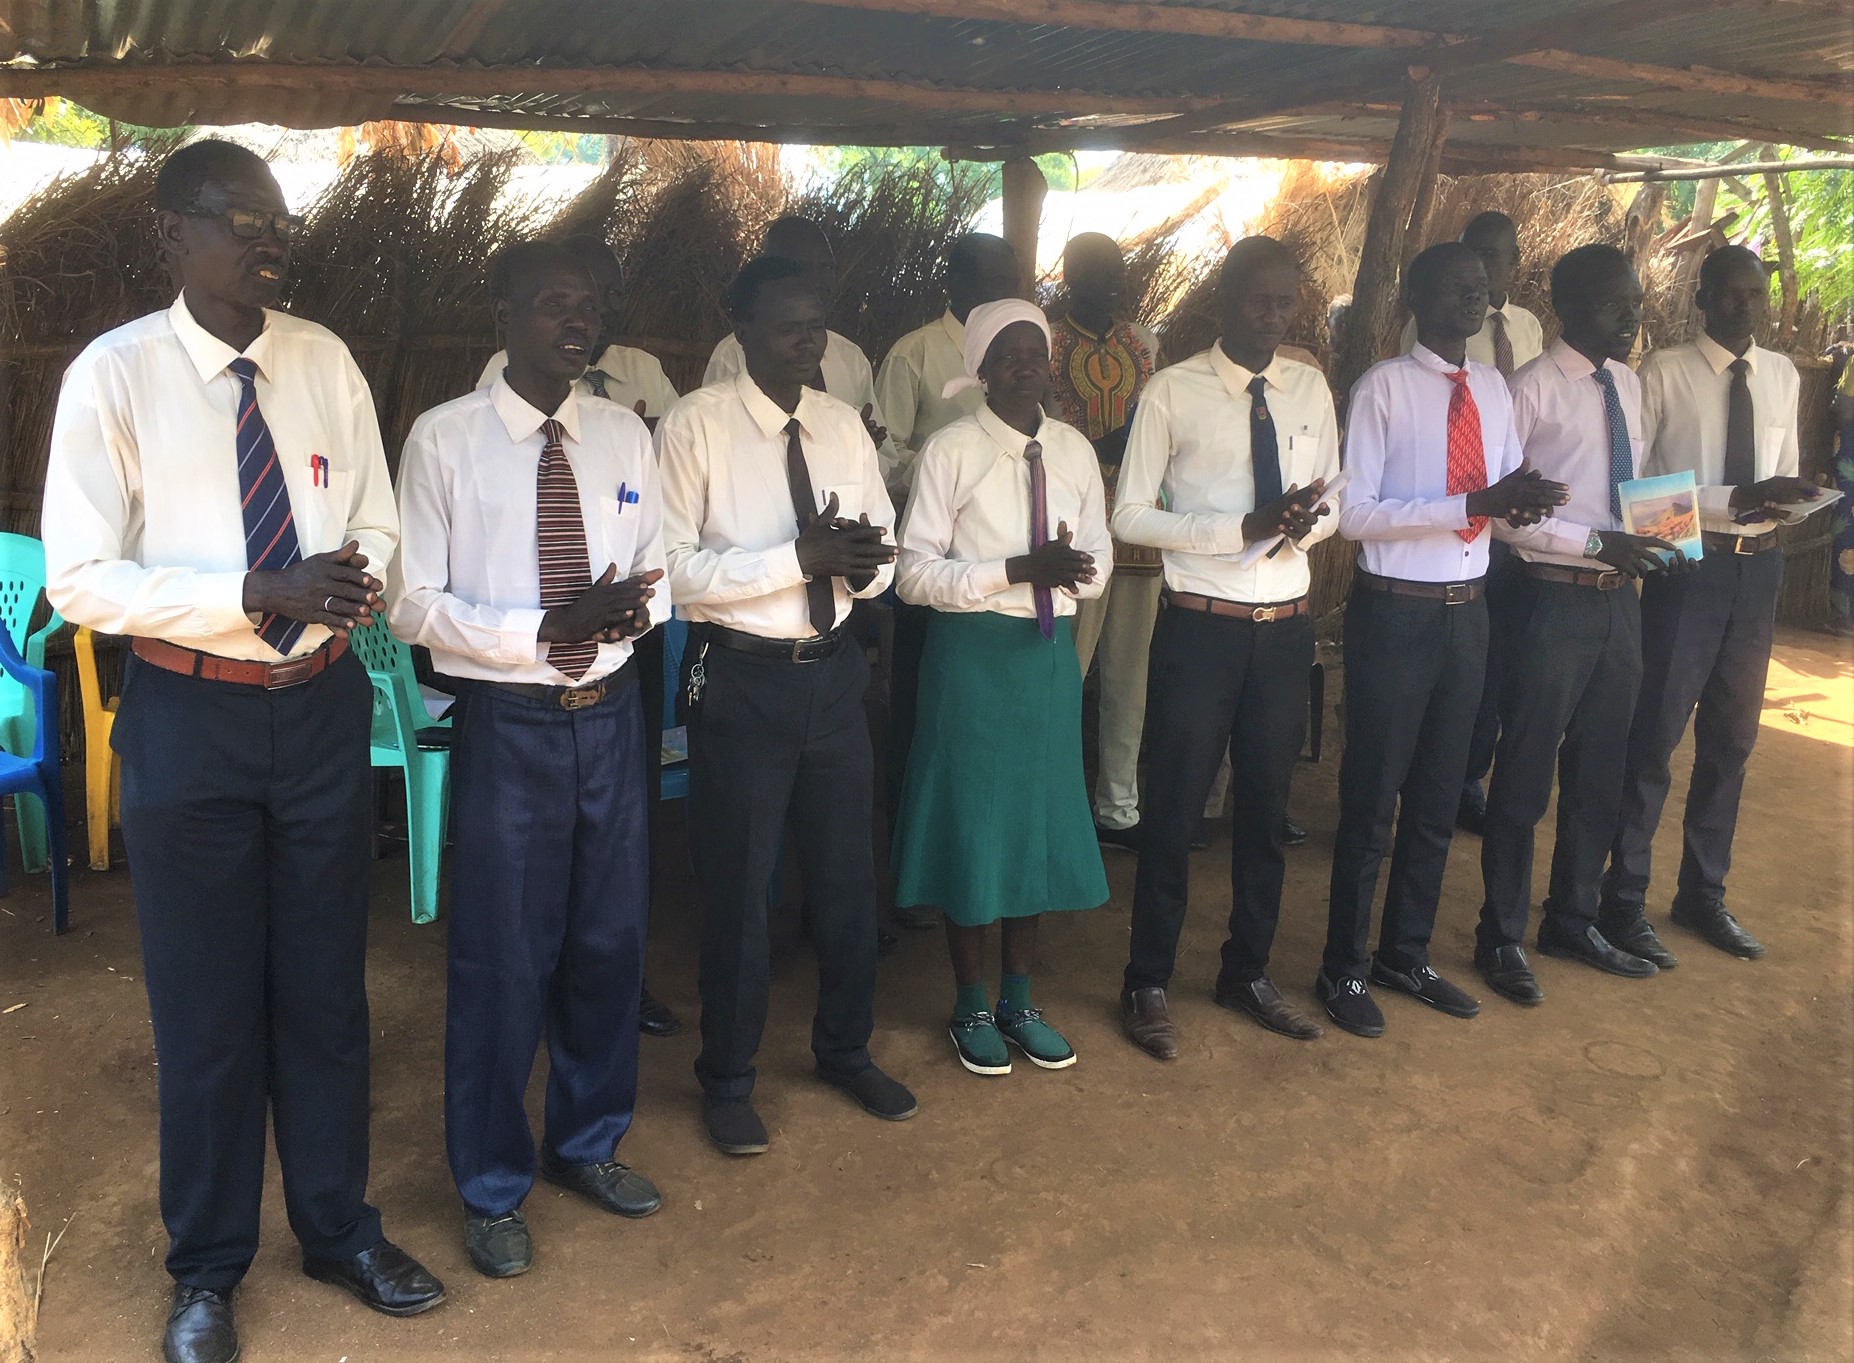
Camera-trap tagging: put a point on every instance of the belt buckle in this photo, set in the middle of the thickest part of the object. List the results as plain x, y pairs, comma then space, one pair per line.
1745, 545
1609, 581
1455, 594
798, 644
1263, 615
294, 672
582, 697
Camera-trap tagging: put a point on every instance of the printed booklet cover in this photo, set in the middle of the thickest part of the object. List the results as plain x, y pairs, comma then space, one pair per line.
1666, 508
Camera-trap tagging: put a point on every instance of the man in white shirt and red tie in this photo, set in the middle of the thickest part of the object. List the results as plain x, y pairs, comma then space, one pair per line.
775, 520
216, 491
1724, 407
1576, 638
1432, 460
1230, 449
533, 556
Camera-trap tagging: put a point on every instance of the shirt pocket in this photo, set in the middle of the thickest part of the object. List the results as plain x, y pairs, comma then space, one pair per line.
849, 499
325, 518
1770, 450
618, 527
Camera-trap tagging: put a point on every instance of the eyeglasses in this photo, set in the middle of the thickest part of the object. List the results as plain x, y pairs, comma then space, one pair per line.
252, 225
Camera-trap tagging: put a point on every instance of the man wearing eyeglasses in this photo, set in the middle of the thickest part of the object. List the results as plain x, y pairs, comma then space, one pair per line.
217, 492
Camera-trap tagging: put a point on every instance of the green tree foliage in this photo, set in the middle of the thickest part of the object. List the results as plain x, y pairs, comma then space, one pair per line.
1058, 169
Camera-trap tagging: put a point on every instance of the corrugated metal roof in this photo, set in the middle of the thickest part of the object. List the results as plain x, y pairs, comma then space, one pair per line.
785, 68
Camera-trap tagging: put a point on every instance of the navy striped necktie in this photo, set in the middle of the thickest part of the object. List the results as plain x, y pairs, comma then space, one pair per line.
270, 525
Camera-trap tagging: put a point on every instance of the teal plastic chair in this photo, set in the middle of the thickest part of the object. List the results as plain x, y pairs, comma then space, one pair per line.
22, 582
36, 771
407, 737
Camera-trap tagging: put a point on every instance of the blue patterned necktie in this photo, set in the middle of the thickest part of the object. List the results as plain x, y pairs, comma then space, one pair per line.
270, 527
1264, 445
1621, 455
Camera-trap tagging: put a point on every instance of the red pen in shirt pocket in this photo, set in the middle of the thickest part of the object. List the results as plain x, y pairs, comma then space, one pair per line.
318, 470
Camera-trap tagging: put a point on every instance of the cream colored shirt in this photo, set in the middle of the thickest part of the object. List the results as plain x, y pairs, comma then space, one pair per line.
1524, 330
143, 528
1187, 481
730, 533
970, 512
917, 367
467, 584
631, 376
1685, 390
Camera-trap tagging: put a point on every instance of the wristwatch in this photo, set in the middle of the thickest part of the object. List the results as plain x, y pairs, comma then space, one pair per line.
1594, 545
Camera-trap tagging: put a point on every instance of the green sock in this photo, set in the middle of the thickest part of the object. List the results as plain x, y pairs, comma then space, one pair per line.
969, 999
1015, 994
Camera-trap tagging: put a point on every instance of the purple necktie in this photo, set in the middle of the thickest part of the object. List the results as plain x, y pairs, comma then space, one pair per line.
1039, 534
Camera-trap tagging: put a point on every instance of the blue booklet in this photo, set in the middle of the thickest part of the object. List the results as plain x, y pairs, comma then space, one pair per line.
1667, 508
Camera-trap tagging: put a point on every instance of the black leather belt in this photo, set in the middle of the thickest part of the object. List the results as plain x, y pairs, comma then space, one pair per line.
1449, 593
1718, 542
572, 697
808, 650
1604, 580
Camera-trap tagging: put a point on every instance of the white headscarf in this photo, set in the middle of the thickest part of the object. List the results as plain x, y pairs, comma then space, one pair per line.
983, 324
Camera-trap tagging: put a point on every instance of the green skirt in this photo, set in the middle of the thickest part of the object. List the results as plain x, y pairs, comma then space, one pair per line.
995, 821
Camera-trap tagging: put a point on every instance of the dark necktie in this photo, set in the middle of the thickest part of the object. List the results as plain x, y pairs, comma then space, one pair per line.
595, 380
1039, 533
1502, 344
1621, 454
820, 592
264, 499
560, 534
1467, 456
1740, 428
1264, 447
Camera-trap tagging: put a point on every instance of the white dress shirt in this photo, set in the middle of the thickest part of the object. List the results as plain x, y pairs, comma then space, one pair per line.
468, 582
1186, 481
918, 366
631, 376
1523, 330
1563, 427
1685, 390
1396, 503
970, 512
730, 533
142, 522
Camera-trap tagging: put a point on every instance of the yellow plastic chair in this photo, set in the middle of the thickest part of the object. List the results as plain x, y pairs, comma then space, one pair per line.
102, 769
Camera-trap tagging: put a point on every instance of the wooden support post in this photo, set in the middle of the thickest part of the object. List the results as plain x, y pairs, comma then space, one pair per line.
1024, 191
18, 1319
1374, 294
1423, 211
1786, 259
1643, 220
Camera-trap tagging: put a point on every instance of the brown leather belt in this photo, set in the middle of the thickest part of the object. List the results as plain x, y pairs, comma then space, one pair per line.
1449, 593
1235, 610
572, 697
211, 667
1604, 580
1718, 542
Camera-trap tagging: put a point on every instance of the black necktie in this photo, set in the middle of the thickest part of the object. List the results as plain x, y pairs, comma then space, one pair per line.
1264, 448
820, 592
1740, 429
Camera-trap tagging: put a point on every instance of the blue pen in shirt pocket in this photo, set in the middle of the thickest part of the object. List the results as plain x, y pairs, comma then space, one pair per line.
627, 496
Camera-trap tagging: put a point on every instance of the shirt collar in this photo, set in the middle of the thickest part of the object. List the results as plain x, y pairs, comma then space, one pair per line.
1720, 358
1007, 436
1428, 358
1571, 362
209, 354
769, 416
955, 329
521, 418
1236, 379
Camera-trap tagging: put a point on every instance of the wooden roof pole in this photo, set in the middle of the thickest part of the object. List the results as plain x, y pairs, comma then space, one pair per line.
1024, 192
1786, 259
1374, 294
1416, 236
1722, 171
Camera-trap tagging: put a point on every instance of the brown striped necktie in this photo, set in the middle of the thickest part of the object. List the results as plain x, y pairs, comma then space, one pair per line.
560, 534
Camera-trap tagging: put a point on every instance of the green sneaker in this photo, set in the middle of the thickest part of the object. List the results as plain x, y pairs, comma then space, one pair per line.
1042, 1044
981, 1048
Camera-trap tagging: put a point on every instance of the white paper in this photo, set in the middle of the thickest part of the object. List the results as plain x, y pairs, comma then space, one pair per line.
1258, 551
437, 703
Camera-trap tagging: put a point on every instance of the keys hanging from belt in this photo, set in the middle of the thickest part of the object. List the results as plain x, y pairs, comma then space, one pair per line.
696, 684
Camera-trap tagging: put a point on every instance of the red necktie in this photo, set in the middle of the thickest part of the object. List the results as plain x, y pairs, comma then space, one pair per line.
560, 533
1467, 459
1039, 533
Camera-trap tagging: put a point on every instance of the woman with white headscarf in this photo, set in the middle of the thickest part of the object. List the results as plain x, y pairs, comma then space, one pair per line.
1005, 529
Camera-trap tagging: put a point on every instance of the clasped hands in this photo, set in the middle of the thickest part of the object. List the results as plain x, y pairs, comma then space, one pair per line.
834, 547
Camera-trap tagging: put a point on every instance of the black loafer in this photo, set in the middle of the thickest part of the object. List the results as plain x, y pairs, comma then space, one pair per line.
1423, 983
498, 1246
1638, 939
654, 1017
1206, 833
385, 1278
879, 1095
734, 1127
1718, 927
1348, 1003
1589, 946
1471, 813
1126, 839
886, 942
1263, 1002
1292, 834
1509, 974
615, 1187
199, 1327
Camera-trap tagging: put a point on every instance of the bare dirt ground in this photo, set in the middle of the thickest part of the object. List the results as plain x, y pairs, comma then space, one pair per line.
1637, 1170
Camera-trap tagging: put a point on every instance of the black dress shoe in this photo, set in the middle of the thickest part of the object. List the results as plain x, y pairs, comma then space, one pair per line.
615, 1187
1423, 983
654, 1017
1263, 1002
1712, 922
1509, 974
1638, 939
1348, 1002
1126, 839
886, 942
1471, 813
1292, 834
1206, 833
199, 1327
880, 1096
1588, 945
734, 1127
498, 1246
385, 1278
